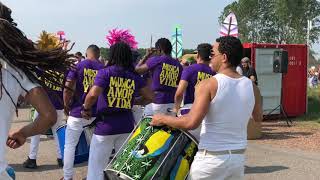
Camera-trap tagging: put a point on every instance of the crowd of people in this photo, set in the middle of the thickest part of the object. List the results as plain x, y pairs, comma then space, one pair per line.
313, 77
210, 99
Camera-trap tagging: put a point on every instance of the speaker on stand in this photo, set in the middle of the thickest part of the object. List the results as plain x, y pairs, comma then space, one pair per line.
280, 65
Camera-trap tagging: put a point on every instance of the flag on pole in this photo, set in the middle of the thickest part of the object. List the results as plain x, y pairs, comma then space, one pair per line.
176, 41
229, 26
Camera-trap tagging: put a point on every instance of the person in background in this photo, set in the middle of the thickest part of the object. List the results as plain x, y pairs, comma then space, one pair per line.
18, 78
192, 76
165, 74
223, 105
79, 57
249, 71
80, 80
239, 70
315, 80
114, 120
55, 94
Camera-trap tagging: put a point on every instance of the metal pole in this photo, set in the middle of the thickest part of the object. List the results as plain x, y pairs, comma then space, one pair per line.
308, 31
176, 43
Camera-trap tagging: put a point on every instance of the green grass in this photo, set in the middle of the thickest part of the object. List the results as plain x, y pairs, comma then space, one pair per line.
313, 114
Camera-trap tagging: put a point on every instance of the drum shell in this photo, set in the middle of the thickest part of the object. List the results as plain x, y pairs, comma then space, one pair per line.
156, 164
82, 148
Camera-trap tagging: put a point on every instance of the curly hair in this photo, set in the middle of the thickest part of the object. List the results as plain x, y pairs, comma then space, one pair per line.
232, 47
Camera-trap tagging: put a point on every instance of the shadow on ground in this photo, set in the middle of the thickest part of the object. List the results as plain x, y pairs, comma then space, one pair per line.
263, 169
41, 168
283, 135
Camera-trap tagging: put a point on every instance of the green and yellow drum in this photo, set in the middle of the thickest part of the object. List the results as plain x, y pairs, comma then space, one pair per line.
153, 153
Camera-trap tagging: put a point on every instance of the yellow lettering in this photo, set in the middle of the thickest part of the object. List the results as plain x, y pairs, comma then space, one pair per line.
120, 92
111, 100
202, 76
169, 75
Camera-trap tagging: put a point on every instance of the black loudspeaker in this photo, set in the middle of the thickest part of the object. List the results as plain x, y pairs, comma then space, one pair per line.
280, 61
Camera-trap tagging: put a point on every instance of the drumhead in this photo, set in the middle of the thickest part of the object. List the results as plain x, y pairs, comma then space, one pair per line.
115, 175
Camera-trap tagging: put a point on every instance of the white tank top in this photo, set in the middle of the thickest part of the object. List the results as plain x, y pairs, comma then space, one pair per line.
225, 125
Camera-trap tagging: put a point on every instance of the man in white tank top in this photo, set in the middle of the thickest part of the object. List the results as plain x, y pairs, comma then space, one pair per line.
223, 105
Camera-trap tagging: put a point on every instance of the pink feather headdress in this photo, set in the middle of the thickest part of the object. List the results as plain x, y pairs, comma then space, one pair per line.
121, 35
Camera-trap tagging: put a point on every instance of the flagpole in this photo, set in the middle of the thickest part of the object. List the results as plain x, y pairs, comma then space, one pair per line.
229, 29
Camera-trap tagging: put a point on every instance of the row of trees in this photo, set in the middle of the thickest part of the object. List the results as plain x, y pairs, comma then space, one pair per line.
142, 52
276, 21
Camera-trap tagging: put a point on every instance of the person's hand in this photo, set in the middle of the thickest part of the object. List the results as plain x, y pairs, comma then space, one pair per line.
16, 139
86, 114
157, 120
149, 53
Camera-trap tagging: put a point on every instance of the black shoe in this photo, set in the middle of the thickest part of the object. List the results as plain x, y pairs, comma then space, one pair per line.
60, 162
30, 164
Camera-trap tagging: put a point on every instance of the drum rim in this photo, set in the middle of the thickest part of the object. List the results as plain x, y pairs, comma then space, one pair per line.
121, 173
61, 126
190, 136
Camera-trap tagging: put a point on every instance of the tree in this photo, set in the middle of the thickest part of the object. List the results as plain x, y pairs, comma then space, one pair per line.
275, 21
142, 51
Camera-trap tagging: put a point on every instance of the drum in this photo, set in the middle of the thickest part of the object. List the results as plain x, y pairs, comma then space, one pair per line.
82, 149
153, 153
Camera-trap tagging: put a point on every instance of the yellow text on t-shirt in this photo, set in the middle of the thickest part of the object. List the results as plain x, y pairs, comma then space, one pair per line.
120, 92
88, 78
169, 75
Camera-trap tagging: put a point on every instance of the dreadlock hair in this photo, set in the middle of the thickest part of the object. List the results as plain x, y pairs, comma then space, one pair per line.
121, 55
232, 47
164, 45
22, 54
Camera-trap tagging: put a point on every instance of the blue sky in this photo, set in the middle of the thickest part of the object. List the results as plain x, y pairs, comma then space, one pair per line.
87, 21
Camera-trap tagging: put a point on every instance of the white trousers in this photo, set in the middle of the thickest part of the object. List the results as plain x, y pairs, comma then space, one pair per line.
35, 140
73, 133
100, 151
222, 167
153, 108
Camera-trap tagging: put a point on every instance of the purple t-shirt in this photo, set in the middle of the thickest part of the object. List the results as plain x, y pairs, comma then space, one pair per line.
193, 75
114, 115
165, 74
55, 92
84, 74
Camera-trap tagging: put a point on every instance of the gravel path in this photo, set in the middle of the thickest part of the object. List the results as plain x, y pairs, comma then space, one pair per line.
301, 136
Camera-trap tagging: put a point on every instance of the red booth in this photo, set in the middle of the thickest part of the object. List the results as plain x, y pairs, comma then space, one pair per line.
288, 89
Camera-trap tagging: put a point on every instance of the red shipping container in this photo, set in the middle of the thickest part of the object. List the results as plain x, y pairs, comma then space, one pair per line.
294, 82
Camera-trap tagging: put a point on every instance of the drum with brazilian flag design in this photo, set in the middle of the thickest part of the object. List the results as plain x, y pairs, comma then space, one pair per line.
153, 153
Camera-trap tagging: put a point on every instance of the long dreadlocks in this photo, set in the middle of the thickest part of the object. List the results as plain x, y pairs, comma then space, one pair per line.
21, 54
